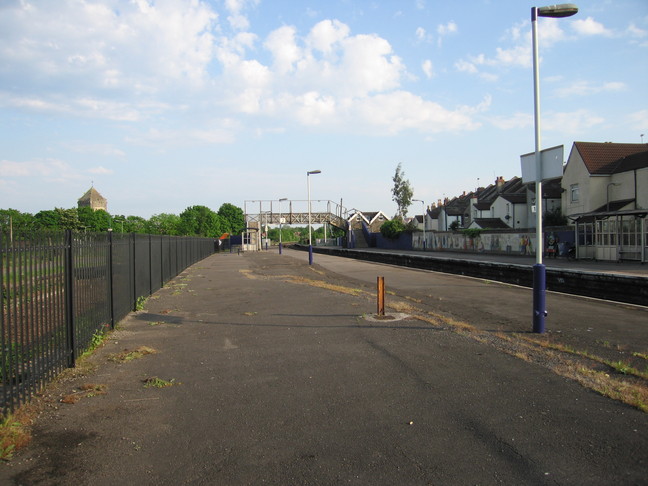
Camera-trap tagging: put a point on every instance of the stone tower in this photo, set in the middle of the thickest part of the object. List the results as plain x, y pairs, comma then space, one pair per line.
92, 199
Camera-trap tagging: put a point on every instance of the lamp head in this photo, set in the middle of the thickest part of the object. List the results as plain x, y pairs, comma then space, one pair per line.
557, 11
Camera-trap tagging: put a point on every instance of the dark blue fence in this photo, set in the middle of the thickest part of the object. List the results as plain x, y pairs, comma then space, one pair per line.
60, 290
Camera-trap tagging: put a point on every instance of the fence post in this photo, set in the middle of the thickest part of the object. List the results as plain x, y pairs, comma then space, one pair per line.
111, 277
69, 299
161, 261
150, 245
134, 272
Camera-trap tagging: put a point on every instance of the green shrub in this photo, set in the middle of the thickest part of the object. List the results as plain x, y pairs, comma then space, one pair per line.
472, 232
392, 229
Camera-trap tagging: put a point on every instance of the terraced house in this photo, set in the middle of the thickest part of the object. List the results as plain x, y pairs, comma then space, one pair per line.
605, 194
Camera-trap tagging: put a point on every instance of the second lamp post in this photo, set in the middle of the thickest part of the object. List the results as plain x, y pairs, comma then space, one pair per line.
310, 240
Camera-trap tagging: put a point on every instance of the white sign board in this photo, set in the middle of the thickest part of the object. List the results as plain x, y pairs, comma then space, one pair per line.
551, 160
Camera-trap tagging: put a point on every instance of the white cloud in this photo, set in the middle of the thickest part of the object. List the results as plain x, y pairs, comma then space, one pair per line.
639, 120
327, 36
428, 69
589, 26
237, 19
587, 88
517, 120
400, 110
639, 36
283, 46
101, 171
314, 108
445, 29
330, 60
466, 67
636, 32
517, 55
80, 45
131, 61
49, 169
166, 138
370, 64
80, 107
104, 150
572, 123
420, 34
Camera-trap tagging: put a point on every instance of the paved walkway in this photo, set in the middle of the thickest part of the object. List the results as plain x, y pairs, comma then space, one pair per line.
279, 377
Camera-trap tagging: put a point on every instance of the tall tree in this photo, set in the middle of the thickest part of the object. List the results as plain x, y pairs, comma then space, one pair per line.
47, 219
402, 192
232, 218
135, 224
96, 221
163, 224
68, 218
200, 221
15, 222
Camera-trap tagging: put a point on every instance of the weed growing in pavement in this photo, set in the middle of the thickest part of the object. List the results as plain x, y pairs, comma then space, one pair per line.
140, 303
84, 391
97, 340
619, 366
127, 355
13, 435
324, 285
640, 355
624, 368
155, 382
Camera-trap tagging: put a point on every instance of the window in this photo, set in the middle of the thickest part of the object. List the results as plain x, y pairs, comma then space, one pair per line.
574, 192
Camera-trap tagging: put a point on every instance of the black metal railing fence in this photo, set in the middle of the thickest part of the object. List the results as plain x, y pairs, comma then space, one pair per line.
60, 290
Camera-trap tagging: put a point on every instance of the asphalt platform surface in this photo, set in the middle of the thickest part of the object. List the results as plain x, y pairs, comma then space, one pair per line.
281, 373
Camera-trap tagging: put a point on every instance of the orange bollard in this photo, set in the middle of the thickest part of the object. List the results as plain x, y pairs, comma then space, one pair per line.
381, 296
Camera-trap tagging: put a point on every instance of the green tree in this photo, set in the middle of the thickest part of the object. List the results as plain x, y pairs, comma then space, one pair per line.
96, 221
232, 218
200, 221
48, 219
163, 224
68, 218
12, 220
402, 192
135, 224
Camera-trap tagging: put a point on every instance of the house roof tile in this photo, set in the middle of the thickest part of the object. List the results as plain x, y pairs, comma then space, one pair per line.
611, 158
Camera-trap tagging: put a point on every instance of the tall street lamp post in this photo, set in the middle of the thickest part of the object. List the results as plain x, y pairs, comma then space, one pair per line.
423, 203
310, 240
539, 273
280, 221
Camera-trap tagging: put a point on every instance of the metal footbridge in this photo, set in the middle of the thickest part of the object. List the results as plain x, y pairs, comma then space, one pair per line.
259, 214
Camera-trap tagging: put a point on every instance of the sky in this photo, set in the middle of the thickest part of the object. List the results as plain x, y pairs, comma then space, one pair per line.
166, 104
